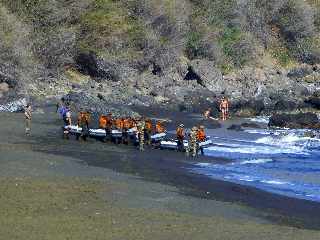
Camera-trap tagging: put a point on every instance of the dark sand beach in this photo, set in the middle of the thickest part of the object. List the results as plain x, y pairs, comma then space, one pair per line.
59, 189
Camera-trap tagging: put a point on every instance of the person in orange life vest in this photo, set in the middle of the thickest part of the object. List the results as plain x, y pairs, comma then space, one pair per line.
180, 137
148, 131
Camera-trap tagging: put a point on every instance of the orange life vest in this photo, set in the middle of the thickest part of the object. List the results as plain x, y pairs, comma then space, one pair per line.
103, 122
201, 135
148, 126
83, 118
126, 124
180, 133
160, 128
119, 123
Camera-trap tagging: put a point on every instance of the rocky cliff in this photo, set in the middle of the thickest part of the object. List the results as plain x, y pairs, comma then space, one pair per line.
182, 55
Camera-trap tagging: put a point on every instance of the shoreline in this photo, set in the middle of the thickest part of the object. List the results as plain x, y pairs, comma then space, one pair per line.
167, 168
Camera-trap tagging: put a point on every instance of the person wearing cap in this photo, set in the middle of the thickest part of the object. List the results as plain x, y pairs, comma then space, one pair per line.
224, 108
180, 137
192, 144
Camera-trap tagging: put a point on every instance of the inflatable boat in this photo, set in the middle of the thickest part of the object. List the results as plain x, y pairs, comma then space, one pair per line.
173, 144
158, 137
100, 133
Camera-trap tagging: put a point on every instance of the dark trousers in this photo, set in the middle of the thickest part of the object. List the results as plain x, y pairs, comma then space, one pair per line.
125, 137
180, 145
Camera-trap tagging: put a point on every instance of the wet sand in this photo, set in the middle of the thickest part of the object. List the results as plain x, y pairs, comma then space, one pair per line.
91, 190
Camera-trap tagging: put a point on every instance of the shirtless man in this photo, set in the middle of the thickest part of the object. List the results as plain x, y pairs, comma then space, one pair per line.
224, 108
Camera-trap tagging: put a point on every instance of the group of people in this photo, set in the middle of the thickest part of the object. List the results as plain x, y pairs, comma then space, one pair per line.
223, 107
196, 136
144, 129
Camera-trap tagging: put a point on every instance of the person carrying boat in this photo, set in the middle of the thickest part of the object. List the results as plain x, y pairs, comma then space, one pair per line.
67, 122
126, 127
148, 131
83, 122
224, 108
109, 123
180, 137
201, 137
141, 131
159, 127
103, 123
119, 126
192, 144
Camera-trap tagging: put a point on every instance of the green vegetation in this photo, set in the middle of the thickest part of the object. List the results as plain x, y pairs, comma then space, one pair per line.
231, 33
107, 25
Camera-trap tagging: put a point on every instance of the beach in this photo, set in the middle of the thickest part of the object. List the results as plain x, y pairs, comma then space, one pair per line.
64, 189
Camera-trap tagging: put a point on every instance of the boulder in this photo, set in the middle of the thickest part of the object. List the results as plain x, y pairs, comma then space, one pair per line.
98, 68
207, 75
314, 102
250, 125
235, 127
300, 120
300, 72
285, 105
4, 87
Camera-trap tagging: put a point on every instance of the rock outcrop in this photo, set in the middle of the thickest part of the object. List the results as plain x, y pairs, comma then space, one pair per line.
300, 120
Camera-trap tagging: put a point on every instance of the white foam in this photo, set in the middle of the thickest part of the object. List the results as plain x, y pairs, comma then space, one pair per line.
14, 106
268, 150
274, 182
258, 131
257, 161
260, 119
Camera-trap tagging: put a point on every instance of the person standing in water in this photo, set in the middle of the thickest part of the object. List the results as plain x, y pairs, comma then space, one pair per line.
224, 108
28, 116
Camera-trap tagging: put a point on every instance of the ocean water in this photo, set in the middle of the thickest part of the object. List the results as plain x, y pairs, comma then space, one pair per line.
278, 161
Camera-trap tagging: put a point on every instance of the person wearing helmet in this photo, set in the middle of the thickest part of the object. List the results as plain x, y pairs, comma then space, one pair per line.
192, 145
180, 137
